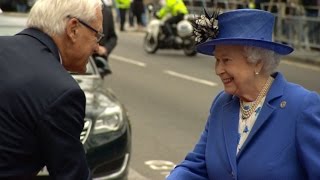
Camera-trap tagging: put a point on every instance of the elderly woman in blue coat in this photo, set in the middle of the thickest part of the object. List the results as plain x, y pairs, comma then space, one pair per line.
261, 126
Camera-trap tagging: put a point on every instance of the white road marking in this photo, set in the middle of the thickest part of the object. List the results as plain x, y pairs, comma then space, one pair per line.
160, 164
163, 166
127, 60
202, 81
301, 65
190, 78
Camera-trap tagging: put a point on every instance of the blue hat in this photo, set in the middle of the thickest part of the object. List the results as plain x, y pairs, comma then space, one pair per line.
248, 27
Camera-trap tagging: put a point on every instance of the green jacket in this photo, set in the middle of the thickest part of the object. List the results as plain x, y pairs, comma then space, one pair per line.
123, 4
173, 7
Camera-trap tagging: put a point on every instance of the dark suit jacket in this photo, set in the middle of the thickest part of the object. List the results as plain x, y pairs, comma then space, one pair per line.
41, 110
282, 145
110, 39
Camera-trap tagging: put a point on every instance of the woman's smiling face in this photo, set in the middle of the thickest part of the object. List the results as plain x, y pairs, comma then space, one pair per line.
236, 74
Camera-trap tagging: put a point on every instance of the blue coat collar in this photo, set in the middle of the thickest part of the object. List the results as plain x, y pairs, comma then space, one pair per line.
231, 120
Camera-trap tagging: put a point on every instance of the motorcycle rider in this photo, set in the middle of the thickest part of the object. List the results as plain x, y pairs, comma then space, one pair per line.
177, 9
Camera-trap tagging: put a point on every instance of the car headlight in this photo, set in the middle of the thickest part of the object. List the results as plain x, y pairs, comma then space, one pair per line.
111, 119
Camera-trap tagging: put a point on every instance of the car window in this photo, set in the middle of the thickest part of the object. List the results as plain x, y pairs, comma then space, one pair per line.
90, 69
9, 30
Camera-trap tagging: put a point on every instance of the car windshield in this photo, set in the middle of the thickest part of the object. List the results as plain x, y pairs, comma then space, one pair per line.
90, 70
9, 30
11, 23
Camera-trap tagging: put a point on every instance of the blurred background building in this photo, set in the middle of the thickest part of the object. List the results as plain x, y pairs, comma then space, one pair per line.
16, 5
297, 21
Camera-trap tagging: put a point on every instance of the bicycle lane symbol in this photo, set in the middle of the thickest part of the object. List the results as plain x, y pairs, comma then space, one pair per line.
164, 167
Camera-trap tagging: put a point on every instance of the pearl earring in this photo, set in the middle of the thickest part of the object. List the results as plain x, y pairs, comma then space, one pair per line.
256, 73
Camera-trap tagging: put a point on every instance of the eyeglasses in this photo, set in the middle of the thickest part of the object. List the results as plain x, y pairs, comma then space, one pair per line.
99, 35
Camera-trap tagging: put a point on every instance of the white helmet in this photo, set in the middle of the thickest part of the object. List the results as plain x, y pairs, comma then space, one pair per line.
184, 28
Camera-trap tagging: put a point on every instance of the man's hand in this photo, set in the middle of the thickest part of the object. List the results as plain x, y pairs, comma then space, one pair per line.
102, 51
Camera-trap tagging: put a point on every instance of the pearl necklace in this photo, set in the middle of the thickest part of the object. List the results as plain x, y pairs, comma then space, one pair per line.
246, 113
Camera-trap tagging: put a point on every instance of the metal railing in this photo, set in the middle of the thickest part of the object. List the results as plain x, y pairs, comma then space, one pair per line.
293, 26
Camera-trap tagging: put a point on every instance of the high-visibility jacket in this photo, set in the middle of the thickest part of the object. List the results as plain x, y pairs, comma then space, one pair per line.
173, 7
252, 4
123, 4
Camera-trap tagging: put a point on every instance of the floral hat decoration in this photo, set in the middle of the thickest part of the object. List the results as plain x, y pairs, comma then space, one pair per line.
247, 27
206, 26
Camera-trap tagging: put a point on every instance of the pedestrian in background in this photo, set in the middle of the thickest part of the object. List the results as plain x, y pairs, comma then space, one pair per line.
123, 6
42, 107
312, 9
261, 126
146, 16
138, 11
21, 5
131, 15
259, 4
109, 41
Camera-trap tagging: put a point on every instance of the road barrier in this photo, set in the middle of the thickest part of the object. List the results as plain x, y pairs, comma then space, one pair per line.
295, 25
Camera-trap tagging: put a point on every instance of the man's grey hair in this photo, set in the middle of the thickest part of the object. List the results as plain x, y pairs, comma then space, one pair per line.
270, 58
50, 16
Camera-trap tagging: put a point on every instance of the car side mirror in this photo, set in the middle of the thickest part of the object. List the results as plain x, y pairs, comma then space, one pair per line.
102, 65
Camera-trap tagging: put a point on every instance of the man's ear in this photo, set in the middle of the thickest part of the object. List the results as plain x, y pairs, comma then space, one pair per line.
72, 29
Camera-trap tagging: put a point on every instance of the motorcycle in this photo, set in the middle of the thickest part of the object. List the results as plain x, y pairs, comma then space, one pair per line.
155, 37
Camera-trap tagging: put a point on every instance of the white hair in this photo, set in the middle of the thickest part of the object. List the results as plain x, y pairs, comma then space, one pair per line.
270, 58
50, 15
